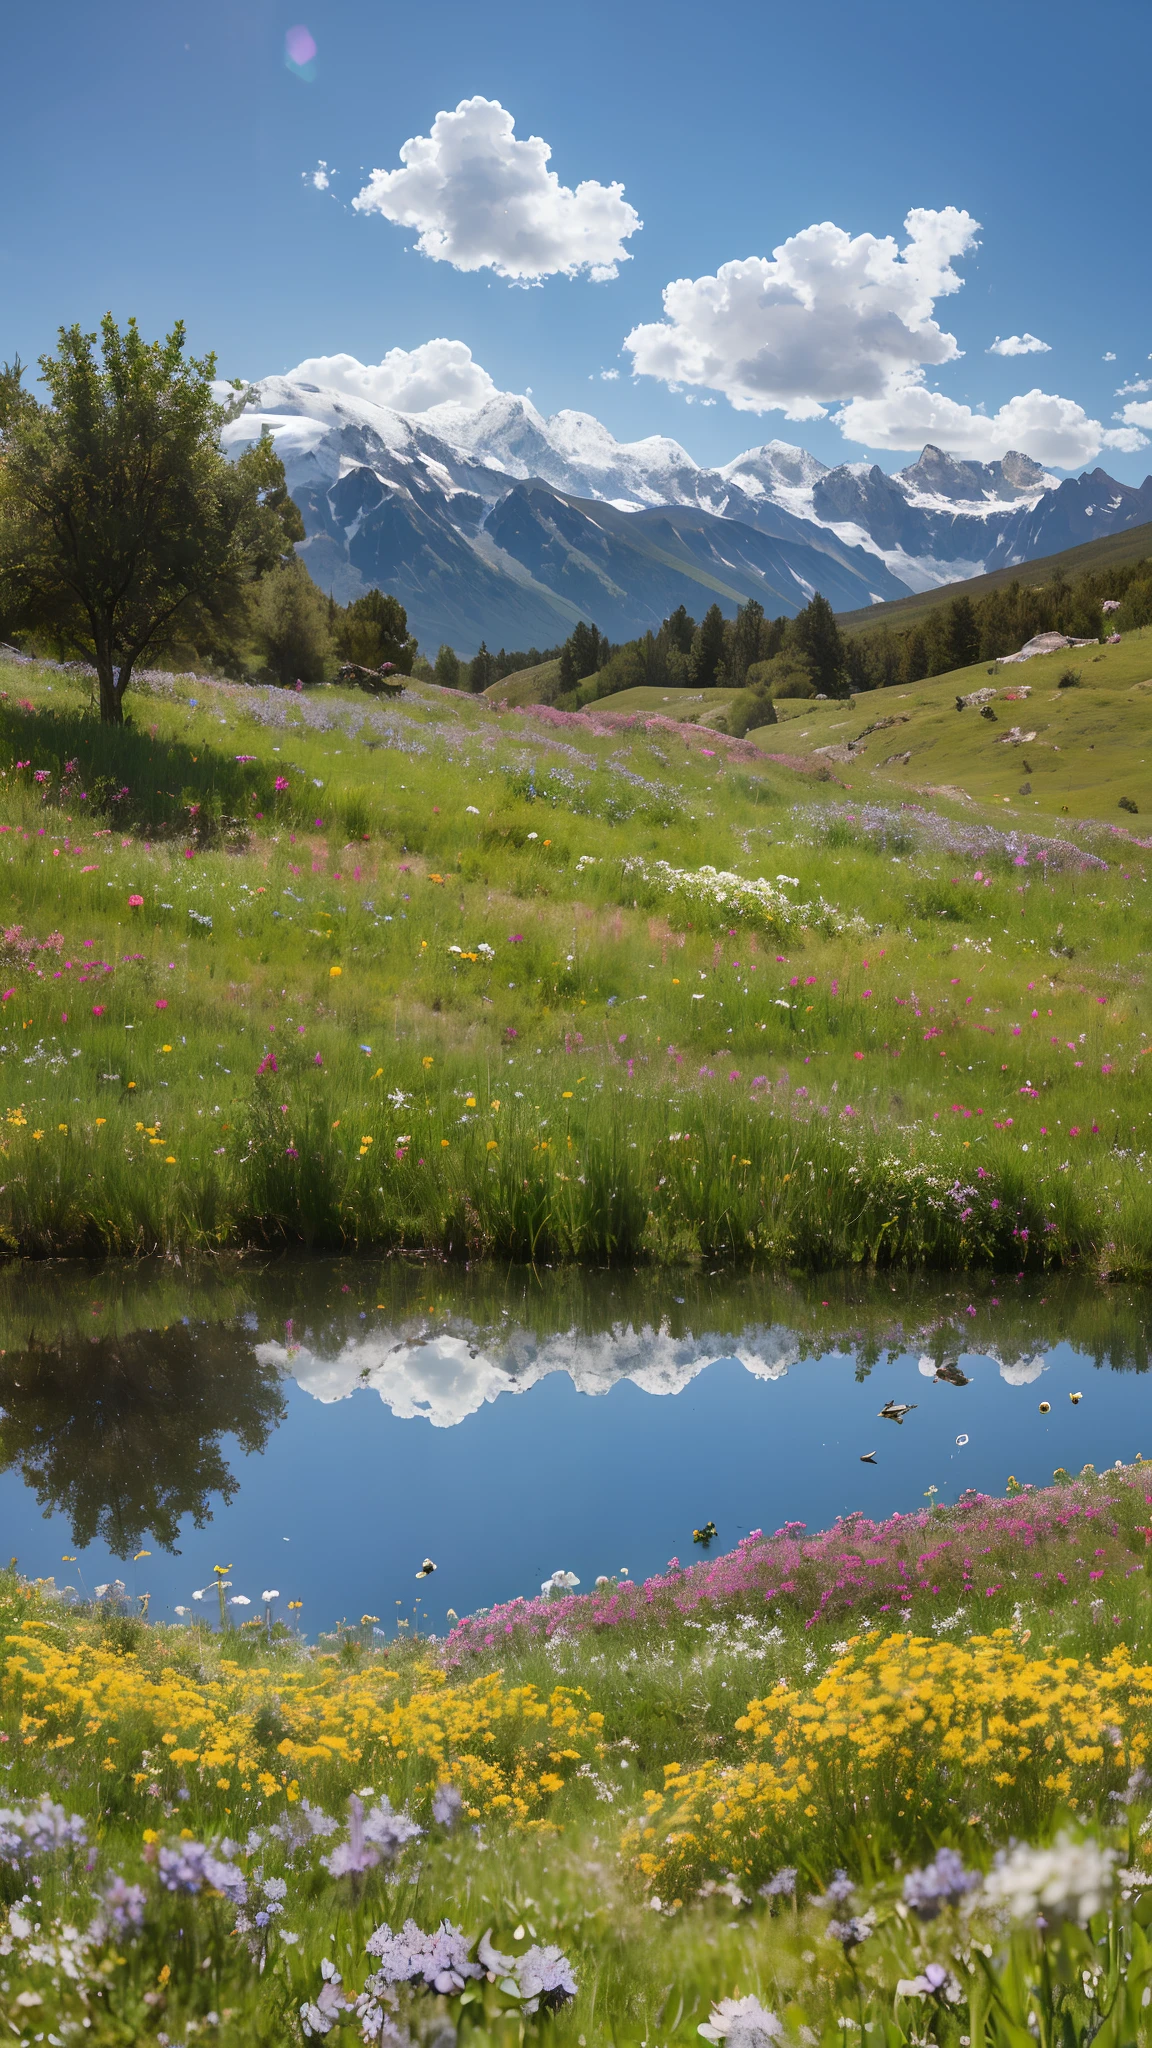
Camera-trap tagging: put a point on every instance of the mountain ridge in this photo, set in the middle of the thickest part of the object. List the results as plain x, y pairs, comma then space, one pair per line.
492, 522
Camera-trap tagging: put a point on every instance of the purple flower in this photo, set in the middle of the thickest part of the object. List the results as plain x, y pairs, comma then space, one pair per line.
320, 2015
850, 1933
782, 1886
38, 1831
447, 1806
943, 1882
545, 1978
439, 1961
193, 1868
121, 1909
375, 1837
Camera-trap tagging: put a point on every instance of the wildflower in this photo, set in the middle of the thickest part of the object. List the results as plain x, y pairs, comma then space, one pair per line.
1071, 1880
319, 2016
743, 2023
560, 1582
782, 1886
333, 972
375, 1837
121, 1909
943, 1882
447, 1806
850, 1933
135, 903
193, 1868
439, 1961
545, 1978
935, 1981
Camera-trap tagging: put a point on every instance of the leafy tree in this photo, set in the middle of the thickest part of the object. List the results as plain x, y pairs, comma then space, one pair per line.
962, 634
583, 653
290, 624
744, 636
816, 635
481, 670
373, 629
125, 1436
749, 709
678, 629
708, 648
122, 523
447, 669
787, 675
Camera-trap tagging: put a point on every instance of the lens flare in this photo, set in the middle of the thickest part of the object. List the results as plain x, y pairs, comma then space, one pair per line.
300, 52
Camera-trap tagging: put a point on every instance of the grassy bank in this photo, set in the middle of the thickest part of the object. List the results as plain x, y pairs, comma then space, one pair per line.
283, 969
790, 1775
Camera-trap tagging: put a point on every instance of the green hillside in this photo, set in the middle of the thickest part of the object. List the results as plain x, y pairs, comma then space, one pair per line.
525, 685
295, 969
1089, 745
1133, 546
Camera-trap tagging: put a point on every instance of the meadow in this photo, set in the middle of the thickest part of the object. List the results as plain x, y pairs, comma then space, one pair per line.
886, 1779
294, 968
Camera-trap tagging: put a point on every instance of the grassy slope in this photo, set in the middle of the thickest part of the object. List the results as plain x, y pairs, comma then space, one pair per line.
1093, 744
171, 1084
527, 686
1132, 546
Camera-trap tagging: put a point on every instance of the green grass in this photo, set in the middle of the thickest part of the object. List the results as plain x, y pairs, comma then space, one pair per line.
677, 1078
526, 686
1091, 746
1092, 555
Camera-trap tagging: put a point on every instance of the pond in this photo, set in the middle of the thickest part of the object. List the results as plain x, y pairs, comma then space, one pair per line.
321, 1427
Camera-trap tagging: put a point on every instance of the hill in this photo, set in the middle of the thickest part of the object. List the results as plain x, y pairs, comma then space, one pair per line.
525, 685
1133, 545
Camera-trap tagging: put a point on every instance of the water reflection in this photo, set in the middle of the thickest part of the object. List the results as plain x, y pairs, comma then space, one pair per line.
132, 1396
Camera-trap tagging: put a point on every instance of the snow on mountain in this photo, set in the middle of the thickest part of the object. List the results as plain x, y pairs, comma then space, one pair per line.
447, 1377
412, 501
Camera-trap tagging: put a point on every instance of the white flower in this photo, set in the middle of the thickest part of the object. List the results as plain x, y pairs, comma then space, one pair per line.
560, 1582
397, 1098
471, 811
743, 2023
1071, 1880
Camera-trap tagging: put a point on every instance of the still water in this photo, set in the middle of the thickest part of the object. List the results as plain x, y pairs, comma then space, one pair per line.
322, 1426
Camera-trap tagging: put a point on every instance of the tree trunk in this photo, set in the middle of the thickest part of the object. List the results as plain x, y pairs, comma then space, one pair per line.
113, 683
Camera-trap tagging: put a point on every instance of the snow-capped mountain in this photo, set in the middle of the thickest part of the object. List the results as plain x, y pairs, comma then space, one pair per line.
493, 522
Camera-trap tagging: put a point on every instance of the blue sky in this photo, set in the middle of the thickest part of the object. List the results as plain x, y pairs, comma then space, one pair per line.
159, 158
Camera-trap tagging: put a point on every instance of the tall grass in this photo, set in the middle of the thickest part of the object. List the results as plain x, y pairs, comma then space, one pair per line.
949, 1073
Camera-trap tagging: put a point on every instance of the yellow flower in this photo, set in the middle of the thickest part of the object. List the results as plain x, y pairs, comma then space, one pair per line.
492, 1146
37, 1134
165, 1048
426, 1062
61, 1127
100, 1120
333, 972
443, 1144
469, 1103
567, 1095
171, 1159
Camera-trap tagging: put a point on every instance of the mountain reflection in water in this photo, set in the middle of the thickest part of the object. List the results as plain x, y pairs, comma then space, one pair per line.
137, 1402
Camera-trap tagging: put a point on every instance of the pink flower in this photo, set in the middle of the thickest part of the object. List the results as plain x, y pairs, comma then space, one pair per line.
97, 1009
161, 1002
135, 903
281, 782
318, 1062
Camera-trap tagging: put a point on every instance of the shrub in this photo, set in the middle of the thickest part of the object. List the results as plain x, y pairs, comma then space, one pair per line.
1069, 680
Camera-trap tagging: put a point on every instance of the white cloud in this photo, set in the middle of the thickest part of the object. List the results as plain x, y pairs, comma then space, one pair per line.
829, 316
1020, 345
321, 177
1137, 413
1137, 384
1051, 429
1110, 355
609, 376
482, 200
410, 380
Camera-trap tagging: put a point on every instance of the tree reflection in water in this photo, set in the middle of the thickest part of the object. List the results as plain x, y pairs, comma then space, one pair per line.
123, 1434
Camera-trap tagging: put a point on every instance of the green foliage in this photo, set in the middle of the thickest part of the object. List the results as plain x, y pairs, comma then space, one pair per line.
787, 675
584, 651
815, 635
289, 620
447, 669
749, 708
999, 621
122, 524
373, 629
481, 670
707, 657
